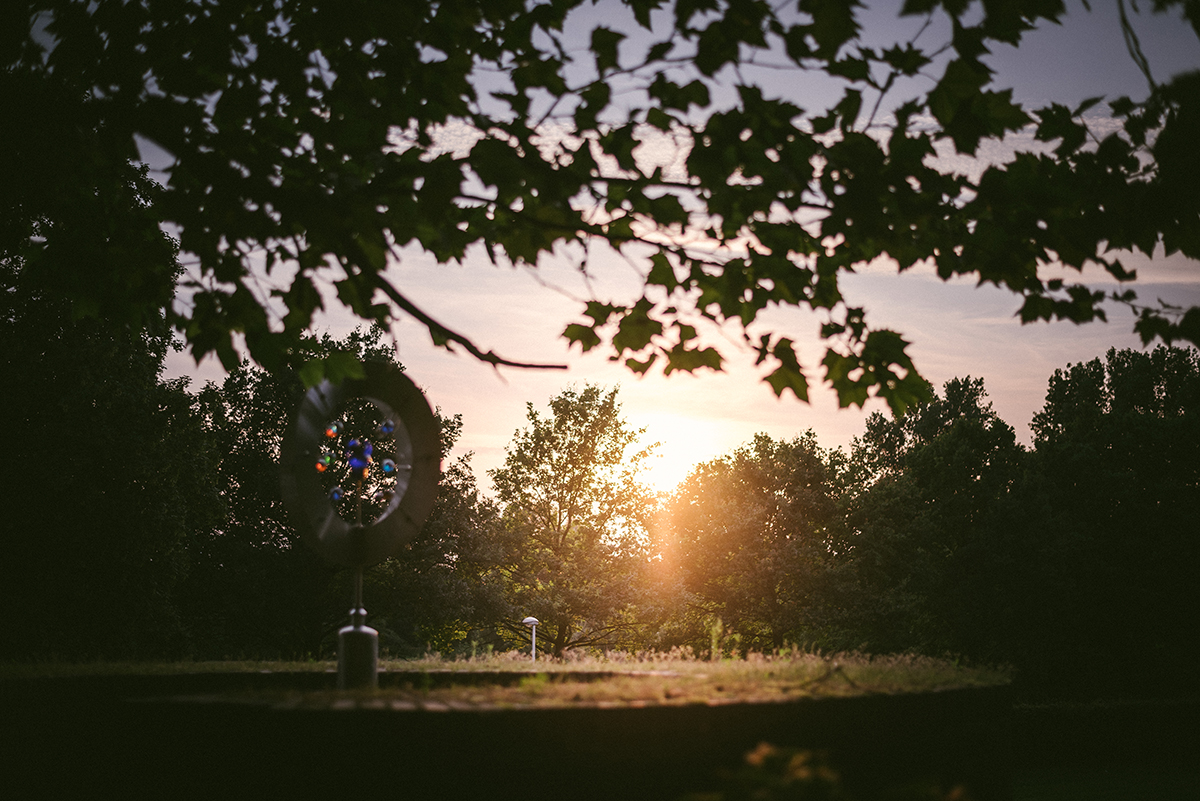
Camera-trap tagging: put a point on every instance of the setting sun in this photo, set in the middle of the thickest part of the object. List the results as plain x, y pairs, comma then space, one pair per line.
683, 441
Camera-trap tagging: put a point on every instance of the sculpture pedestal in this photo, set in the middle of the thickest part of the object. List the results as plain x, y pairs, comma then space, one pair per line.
358, 655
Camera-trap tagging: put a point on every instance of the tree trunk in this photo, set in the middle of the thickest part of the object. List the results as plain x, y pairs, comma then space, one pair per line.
562, 635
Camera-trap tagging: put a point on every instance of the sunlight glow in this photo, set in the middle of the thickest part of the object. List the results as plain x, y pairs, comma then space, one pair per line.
684, 443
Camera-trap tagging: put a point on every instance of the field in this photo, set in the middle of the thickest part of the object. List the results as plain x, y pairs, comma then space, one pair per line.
513, 680
647, 726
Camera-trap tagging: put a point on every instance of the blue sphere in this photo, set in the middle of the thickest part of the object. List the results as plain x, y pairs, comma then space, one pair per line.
358, 453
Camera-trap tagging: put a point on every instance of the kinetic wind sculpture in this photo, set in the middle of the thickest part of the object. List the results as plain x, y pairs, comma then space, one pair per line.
358, 484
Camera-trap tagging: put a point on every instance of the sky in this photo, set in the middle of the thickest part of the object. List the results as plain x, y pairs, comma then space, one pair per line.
955, 329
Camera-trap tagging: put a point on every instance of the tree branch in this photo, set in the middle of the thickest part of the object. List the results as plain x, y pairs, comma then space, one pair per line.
453, 336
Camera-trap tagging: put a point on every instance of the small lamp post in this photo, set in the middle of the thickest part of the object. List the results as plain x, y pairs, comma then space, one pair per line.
532, 623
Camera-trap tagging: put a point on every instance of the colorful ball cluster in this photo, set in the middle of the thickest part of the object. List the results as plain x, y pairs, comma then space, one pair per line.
358, 454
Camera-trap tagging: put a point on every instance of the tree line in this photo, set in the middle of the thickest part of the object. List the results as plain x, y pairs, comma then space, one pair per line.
145, 522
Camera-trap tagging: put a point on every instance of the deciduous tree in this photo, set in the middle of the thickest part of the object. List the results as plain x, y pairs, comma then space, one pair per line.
255, 589
445, 590
109, 474
927, 565
574, 520
1116, 555
316, 139
747, 535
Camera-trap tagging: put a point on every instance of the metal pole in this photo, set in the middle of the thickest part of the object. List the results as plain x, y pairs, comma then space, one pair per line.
532, 622
358, 598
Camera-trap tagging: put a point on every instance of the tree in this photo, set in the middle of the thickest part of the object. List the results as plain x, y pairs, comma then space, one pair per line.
316, 139
109, 476
574, 516
747, 537
1114, 572
254, 589
1075, 563
445, 590
928, 570
78, 218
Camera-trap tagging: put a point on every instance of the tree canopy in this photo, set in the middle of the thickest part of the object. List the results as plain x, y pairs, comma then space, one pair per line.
312, 141
111, 476
1075, 559
574, 517
747, 537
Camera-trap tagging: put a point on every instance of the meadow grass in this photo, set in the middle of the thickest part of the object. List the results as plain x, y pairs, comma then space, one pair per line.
615, 678
680, 678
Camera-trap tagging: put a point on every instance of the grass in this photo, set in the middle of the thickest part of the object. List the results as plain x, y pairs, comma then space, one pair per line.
615, 679
678, 679
56, 669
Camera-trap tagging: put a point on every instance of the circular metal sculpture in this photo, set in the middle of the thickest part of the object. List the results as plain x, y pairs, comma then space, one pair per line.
399, 488
401, 458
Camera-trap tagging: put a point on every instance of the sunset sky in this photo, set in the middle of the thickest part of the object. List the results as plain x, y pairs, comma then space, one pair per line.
955, 329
